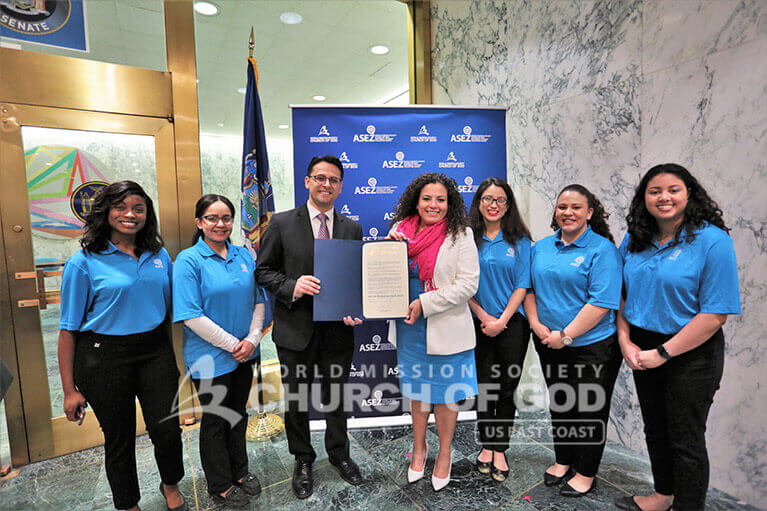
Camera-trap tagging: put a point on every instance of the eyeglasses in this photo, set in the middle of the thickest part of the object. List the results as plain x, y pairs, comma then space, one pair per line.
213, 219
321, 179
487, 200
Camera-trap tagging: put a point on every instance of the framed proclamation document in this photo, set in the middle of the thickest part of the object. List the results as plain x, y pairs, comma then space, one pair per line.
360, 279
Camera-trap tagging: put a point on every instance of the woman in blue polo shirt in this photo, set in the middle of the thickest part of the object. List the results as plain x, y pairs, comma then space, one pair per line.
216, 296
503, 333
113, 342
680, 279
575, 290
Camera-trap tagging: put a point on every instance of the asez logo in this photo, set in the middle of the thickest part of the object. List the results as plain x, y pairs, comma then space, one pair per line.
370, 135
467, 136
373, 188
399, 162
468, 186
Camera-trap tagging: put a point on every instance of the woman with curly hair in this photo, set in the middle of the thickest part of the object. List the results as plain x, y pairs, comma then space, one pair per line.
113, 343
680, 279
503, 333
576, 288
435, 342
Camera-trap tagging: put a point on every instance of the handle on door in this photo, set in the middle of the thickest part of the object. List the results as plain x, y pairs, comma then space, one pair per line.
43, 297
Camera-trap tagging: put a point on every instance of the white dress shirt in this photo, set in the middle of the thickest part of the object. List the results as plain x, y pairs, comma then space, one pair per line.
314, 216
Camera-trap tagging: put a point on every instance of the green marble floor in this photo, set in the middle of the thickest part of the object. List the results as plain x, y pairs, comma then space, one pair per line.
78, 482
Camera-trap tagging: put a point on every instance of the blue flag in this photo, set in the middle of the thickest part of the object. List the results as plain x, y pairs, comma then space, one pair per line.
257, 198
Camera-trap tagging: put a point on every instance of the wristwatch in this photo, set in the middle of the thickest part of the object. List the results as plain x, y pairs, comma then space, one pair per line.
663, 353
566, 339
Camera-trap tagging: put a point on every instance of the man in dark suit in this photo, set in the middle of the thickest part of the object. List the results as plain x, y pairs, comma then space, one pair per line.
285, 266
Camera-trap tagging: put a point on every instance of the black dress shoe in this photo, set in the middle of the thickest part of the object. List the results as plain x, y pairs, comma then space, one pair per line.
182, 507
569, 491
500, 475
552, 480
249, 484
302, 479
349, 471
233, 497
628, 503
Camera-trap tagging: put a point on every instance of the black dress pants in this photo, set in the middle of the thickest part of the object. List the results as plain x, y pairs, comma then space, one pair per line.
580, 380
675, 399
499, 369
324, 356
224, 422
111, 372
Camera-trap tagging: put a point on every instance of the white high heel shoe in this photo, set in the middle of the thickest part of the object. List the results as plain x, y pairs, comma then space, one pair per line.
415, 475
438, 483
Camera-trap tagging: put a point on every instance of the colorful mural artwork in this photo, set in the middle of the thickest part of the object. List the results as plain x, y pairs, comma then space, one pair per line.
61, 182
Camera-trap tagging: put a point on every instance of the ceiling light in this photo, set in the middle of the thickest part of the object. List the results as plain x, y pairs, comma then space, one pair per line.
206, 8
379, 49
319, 97
290, 18
241, 90
221, 125
282, 126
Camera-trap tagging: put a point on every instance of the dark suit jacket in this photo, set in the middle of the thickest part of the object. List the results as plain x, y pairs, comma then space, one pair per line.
286, 253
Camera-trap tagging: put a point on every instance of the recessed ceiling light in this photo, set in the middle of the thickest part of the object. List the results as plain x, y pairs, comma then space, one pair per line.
379, 49
290, 18
319, 97
241, 90
206, 8
282, 126
221, 125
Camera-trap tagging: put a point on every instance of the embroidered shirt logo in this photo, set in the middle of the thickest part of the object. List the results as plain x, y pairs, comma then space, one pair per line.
158, 263
676, 253
511, 252
577, 261
244, 267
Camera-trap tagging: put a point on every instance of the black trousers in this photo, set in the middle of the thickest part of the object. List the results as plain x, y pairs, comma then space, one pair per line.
499, 369
675, 399
224, 422
580, 381
333, 363
111, 372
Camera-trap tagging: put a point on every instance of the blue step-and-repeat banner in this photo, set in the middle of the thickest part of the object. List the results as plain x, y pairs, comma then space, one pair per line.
382, 150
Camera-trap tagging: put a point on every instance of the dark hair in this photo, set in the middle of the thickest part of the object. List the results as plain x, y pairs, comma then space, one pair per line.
598, 222
456, 209
512, 225
203, 203
643, 227
98, 230
328, 158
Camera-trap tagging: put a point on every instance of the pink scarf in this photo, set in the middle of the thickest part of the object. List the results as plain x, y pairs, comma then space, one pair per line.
422, 249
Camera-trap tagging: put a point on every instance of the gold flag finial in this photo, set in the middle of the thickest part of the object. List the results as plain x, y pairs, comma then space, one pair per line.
251, 43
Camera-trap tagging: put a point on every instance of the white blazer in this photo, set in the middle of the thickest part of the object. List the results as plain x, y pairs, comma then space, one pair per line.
449, 327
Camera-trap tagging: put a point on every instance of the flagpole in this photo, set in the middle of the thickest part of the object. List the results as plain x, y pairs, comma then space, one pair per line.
262, 426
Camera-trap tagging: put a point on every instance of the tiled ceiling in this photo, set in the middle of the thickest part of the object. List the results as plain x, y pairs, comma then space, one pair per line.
327, 53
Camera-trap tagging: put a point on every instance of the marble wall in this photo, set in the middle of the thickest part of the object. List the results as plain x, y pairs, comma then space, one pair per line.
600, 91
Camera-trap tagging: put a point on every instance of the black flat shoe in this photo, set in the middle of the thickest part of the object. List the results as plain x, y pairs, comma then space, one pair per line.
569, 491
182, 507
234, 497
349, 471
249, 484
483, 467
628, 503
500, 475
552, 480
303, 481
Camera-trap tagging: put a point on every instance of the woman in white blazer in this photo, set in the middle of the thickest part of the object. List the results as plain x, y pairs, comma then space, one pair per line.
435, 342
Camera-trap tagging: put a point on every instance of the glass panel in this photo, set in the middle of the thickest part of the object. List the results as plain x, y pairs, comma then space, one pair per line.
5, 446
328, 52
129, 32
60, 164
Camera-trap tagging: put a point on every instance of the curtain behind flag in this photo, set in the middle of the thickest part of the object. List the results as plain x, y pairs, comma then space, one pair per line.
257, 197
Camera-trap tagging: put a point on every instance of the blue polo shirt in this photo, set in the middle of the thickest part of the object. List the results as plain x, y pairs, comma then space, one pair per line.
503, 268
224, 290
112, 293
665, 287
567, 277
